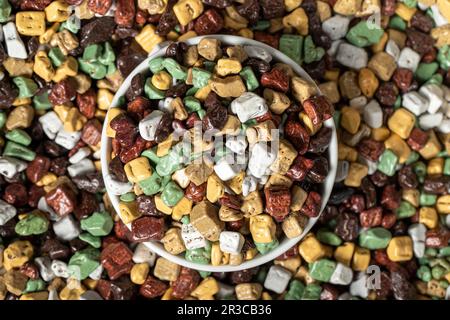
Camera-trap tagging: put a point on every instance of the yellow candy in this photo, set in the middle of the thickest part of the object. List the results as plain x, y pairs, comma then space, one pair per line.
400, 249
444, 8
57, 11
432, 147
361, 259
206, 289
161, 206
292, 226
187, 35
380, 134
217, 256
227, 66
202, 93
330, 90
292, 4
248, 291
104, 99
148, 38
246, 33
347, 153
435, 166
69, 68
20, 117
412, 196
128, 211
214, 188
356, 173
43, 66
72, 291
399, 147
291, 264
344, 253
324, 10
172, 241
166, 270
262, 228
311, 249
266, 296
112, 113
164, 147
405, 12
443, 204
21, 102
187, 10
41, 295
350, 119
347, 7
251, 253
168, 294
368, 82
30, 23
138, 169
378, 47
83, 82
402, 122
252, 204
162, 80
49, 33
139, 273
47, 179
74, 120
298, 20
332, 75
298, 198
18, 67
17, 254
429, 217
183, 207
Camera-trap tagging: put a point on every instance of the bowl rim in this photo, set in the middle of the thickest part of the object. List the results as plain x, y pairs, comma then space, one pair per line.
286, 243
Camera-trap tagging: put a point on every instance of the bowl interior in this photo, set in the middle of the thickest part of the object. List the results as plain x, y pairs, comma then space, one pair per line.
285, 243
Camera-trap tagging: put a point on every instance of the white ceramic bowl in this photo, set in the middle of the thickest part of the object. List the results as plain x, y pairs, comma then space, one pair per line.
285, 243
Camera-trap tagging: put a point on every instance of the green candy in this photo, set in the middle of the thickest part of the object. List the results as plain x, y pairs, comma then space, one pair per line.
84, 262
420, 169
437, 272
94, 241
435, 79
72, 24
427, 199
35, 285
263, 248
426, 70
312, 53
41, 102
20, 136
251, 82
337, 117
191, 91
172, 194
200, 255
261, 25
322, 270
201, 113
5, 11
128, 197
375, 238
329, 238
3, 118
432, 252
152, 92
95, 69
363, 34
18, 151
209, 66
312, 292
32, 224
397, 23
56, 56
444, 252
424, 273
292, 45
110, 69
192, 104
200, 77
98, 224
204, 274
296, 290
405, 210
443, 57
261, 275
387, 163
413, 157
174, 68
168, 165
398, 102
151, 155
108, 56
185, 220
92, 52
27, 87
410, 3
155, 65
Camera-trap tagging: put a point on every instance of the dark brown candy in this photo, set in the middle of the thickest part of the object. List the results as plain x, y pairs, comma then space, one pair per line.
35, 193
221, 4
195, 193
8, 93
390, 198
186, 282
340, 195
139, 108
147, 228
401, 287
436, 184
55, 249
250, 9
215, 118
53, 149
167, 21
379, 179
311, 207
152, 288
164, 128
146, 206
272, 8
99, 6
407, 178
403, 78
347, 226
178, 90
125, 12
123, 289
97, 31
91, 182
59, 166
299, 168
319, 170
136, 88
116, 259
62, 200
417, 139
176, 50
117, 169
370, 149
37, 168
318, 109
278, 202
275, 79
230, 200
437, 238
329, 292
38, 5
371, 217
272, 40
87, 205
387, 94
126, 155
86, 103
320, 141
121, 231
369, 191
259, 66
30, 270
388, 220
419, 41
388, 7
296, 134
210, 22
243, 276
62, 92
16, 194
129, 57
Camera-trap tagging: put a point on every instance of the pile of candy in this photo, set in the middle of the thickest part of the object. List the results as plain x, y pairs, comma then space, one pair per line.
213, 186
385, 66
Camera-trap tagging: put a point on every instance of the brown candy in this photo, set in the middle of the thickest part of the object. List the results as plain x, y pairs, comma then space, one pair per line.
186, 282
370, 149
390, 198
147, 228
311, 207
86, 103
437, 238
195, 193
62, 92
347, 226
92, 132
296, 134
403, 78
275, 79
210, 22
62, 199
99, 6
152, 288
318, 109
278, 201
38, 5
87, 205
417, 139
371, 217
16, 194
37, 168
125, 12
116, 258
299, 168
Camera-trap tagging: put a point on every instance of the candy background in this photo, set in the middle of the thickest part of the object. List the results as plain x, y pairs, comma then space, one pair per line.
390, 207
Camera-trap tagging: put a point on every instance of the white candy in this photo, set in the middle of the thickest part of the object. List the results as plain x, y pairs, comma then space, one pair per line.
359, 287
415, 102
80, 168
446, 91
334, 47
97, 154
373, 114
117, 187
336, 27
2, 74
80, 155
408, 59
45, 268
192, 238
51, 124
345, 296
66, 229
351, 56
342, 170
148, 125
434, 94
181, 178
261, 157
419, 249
53, 295
417, 232
358, 103
447, 220
7, 212
225, 291
249, 185
447, 294
231, 242
14, 44
444, 127
43, 206
142, 254
67, 139
342, 275
249, 106
428, 121
393, 49
165, 105
226, 171
60, 269
277, 279
371, 165
97, 273
258, 52
91, 295
438, 18
237, 144
1, 34
9, 166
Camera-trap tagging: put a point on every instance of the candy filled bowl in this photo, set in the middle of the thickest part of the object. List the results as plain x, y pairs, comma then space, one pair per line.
219, 153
